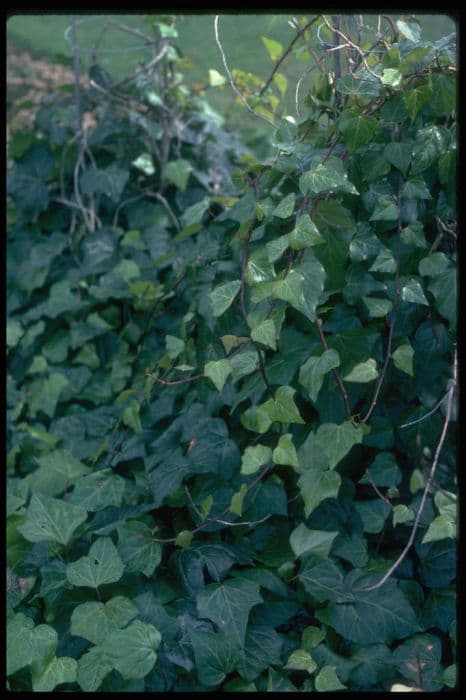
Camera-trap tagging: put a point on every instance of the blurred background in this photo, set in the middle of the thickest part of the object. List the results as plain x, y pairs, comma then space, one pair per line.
39, 52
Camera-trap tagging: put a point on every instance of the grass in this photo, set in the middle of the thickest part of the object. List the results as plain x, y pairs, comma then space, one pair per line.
49, 35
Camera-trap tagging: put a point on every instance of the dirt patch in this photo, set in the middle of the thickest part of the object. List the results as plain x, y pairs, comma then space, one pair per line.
29, 79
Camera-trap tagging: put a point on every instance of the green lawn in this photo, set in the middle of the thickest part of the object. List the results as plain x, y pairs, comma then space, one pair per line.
48, 35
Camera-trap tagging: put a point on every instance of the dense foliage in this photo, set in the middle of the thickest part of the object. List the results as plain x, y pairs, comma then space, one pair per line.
231, 382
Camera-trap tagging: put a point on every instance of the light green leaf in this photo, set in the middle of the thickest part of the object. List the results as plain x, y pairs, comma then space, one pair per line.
58, 470
325, 178
193, 216
335, 441
97, 621
386, 209
222, 297
216, 78
377, 307
305, 541
144, 163
44, 394
412, 292
51, 519
363, 372
441, 527
282, 407
289, 289
98, 490
101, 565
256, 419
18, 646
277, 247
174, 346
384, 262
305, 234
178, 172
316, 485
254, 457
132, 651
281, 82
301, 660
411, 30
313, 371
218, 371
236, 503
392, 77
265, 333
228, 605
93, 666
137, 548
403, 358
433, 265
416, 98
215, 654
327, 680
14, 331
184, 539
285, 452
274, 48
285, 208
131, 417
59, 670
402, 514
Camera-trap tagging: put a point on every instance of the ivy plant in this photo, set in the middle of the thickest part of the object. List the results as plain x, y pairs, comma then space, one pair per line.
232, 381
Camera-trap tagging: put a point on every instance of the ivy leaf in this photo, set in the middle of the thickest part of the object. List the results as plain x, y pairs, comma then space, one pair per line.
97, 621
313, 371
236, 504
48, 671
45, 394
290, 289
184, 539
403, 359
325, 178
19, 632
392, 77
304, 541
412, 292
262, 649
265, 333
323, 579
254, 457
301, 660
316, 485
110, 181
358, 130
441, 527
327, 680
57, 471
363, 372
101, 565
420, 656
137, 548
374, 617
218, 371
98, 490
51, 519
335, 441
444, 288
215, 654
222, 297
285, 452
282, 407
286, 207
132, 651
400, 155
178, 172
384, 471
377, 308
304, 235
228, 605
93, 666
274, 48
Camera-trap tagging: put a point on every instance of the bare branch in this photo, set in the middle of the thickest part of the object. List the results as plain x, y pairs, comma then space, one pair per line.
230, 77
418, 420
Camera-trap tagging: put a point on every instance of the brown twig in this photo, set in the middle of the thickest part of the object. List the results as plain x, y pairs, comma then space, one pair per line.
379, 493
285, 54
446, 421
